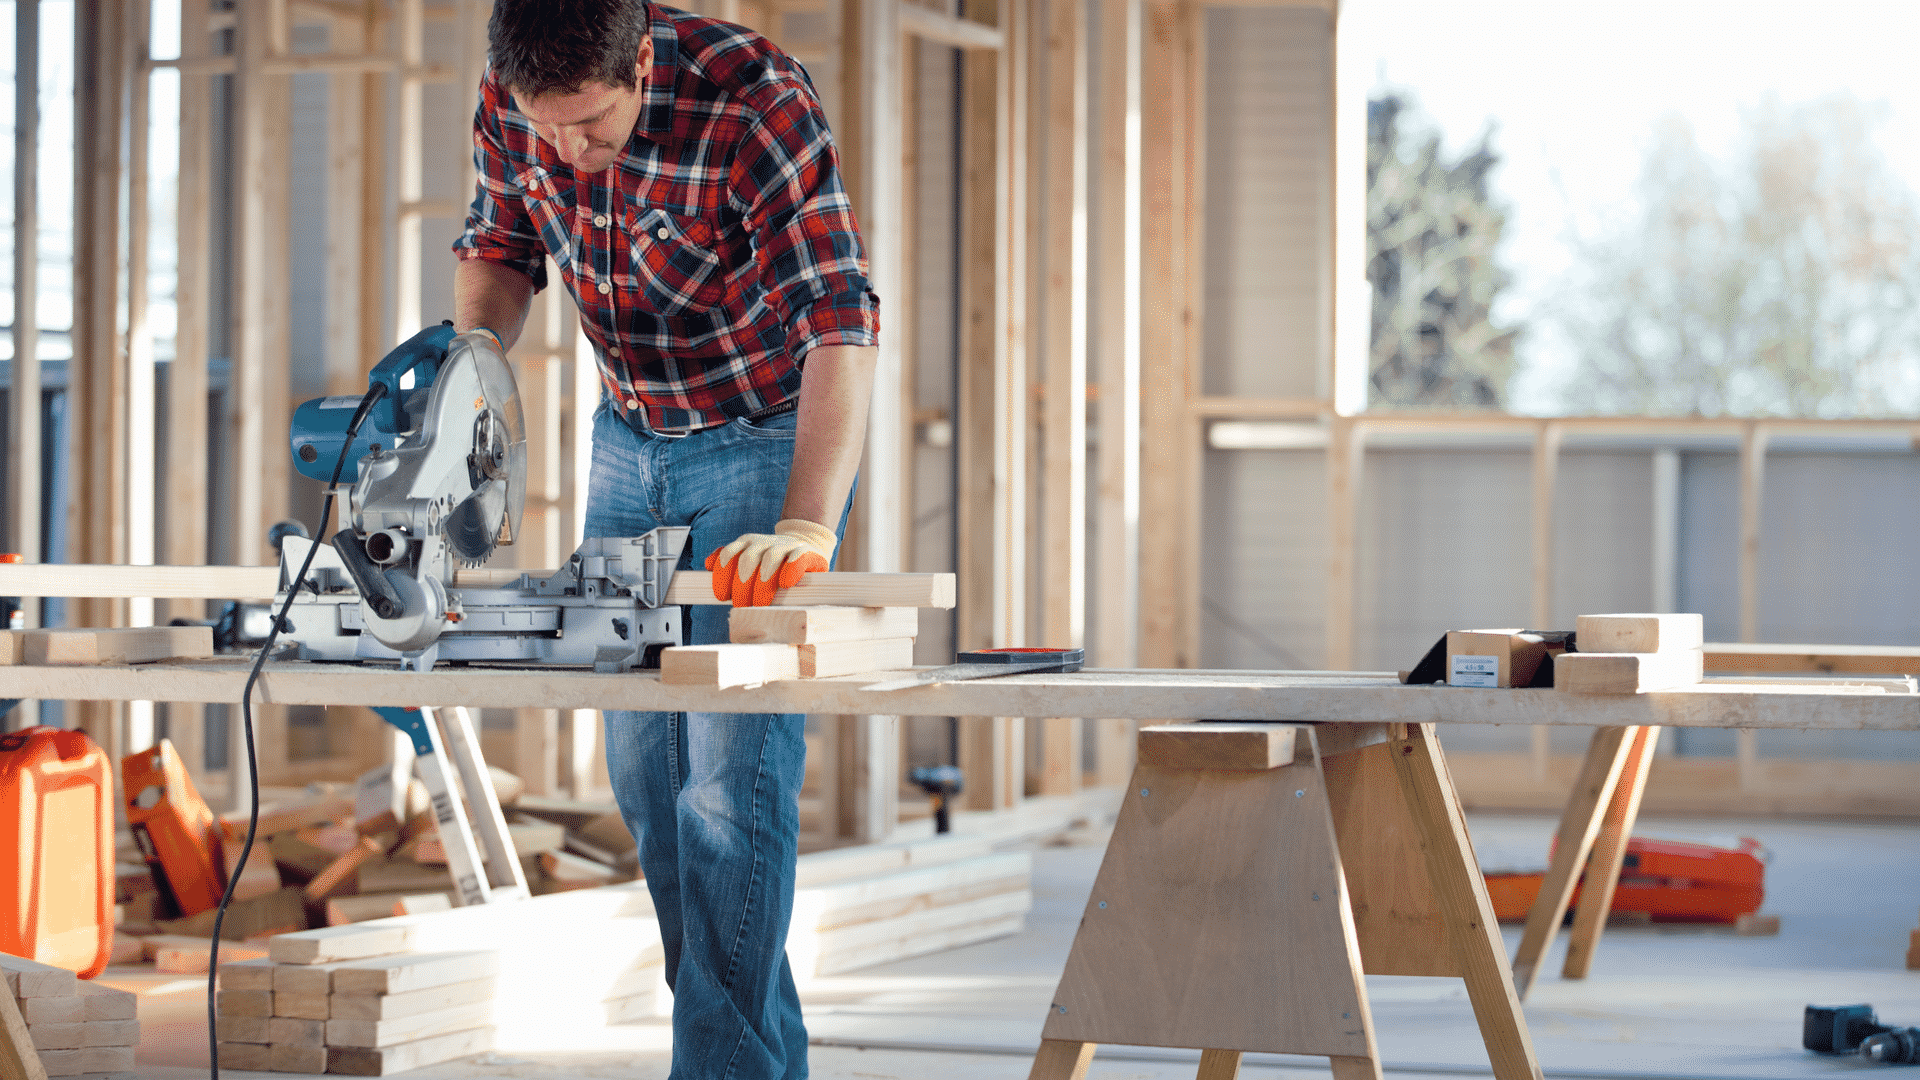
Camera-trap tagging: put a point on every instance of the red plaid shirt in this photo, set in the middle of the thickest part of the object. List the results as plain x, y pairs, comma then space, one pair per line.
713, 254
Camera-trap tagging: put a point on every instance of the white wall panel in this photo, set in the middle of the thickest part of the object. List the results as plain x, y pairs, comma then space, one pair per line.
1263, 559
1268, 201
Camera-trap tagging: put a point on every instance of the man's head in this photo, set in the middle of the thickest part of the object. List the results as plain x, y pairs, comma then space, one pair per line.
577, 69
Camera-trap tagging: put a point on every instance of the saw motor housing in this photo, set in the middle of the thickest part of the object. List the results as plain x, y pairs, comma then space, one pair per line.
438, 484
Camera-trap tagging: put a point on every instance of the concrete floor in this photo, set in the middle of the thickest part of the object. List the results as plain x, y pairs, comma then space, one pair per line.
1662, 1002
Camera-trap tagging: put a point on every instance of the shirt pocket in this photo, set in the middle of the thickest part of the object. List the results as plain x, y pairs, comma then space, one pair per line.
675, 261
551, 207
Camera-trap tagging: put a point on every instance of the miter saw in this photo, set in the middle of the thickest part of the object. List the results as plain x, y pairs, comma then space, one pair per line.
438, 485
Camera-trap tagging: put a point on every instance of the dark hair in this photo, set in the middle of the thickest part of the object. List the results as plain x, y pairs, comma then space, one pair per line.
539, 46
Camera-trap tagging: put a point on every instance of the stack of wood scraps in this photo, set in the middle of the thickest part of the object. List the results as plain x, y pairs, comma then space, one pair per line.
1632, 654
78, 1028
770, 644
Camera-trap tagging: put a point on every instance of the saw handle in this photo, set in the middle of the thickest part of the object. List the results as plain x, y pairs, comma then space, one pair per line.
426, 350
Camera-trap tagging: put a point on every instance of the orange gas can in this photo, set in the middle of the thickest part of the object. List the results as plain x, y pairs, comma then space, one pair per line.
56, 858
176, 831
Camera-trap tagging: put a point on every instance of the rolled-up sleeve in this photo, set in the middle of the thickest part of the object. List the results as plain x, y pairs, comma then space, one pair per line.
785, 182
498, 228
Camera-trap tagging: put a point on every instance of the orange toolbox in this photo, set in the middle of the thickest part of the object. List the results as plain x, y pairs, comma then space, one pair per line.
177, 833
56, 870
1665, 879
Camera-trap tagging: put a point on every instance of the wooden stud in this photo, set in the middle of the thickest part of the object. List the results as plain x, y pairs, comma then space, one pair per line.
1462, 894
23, 447
813, 625
18, 1059
829, 658
117, 646
1062, 1059
347, 263
1219, 1065
1346, 463
1609, 854
1753, 473
1546, 470
1218, 746
728, 665
411, 182
1579, 824
1626, 673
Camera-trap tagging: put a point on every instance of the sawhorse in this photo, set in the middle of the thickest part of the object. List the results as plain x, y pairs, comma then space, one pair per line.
1594, 829
1257, 873
478, 877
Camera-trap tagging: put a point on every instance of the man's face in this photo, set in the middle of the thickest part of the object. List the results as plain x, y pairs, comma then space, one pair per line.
590, 127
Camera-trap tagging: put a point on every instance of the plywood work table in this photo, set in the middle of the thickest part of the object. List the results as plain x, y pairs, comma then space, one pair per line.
1362, 697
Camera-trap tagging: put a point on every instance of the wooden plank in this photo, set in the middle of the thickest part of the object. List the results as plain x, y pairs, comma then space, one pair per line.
1579, 825
1064, 145
242, 1029
980, 332
88, 1060
297, 1058
346, 258
24, 464
1546, 471
1176, 948
830, 658
334, 943
245, 1003
241, 1055
412, 1055
812, 625
1462, 894
1609, 854
1218, 746
1141, 694
1346, 467
255, 974
30, 979
721, 666
291, 1006
396, 975
373, 1034
115, 646
413, 1003
1646, 633
1061, 745
943, 29
1813, 659
1219, 1065
1007, 555
1062, 1059
18, 1060
289, 1029
1626, 673
1753, 474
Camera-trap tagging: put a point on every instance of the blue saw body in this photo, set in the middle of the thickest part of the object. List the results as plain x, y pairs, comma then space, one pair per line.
320, 426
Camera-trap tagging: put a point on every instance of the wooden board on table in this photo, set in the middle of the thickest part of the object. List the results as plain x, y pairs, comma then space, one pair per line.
722, 666
136, 645
1741, 658
332, 943
1217, 746
833, 589
829, 658
813, 625
375, 1034
1638, 633
353, 1061
404, 974
1202, 867
1626, 673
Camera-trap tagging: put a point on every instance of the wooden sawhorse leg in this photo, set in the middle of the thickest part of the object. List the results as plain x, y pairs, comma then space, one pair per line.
1609, 853
1593, 791
1256, 874
1594, 829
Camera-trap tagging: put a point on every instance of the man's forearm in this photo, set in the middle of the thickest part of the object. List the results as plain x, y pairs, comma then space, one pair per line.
491, 295
831, 431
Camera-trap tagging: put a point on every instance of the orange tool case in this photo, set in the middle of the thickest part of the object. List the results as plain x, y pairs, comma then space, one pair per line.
176, 831
56, 869
1666, 879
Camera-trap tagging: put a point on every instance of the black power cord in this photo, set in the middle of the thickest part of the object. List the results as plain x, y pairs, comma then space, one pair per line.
374, 393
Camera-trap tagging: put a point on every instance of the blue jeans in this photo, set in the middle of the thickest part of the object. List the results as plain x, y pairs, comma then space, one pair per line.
713, 798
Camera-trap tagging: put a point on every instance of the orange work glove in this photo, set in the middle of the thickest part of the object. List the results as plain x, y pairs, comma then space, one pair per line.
748, 571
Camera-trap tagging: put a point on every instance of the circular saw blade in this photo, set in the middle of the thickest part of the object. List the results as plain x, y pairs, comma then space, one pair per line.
496, 453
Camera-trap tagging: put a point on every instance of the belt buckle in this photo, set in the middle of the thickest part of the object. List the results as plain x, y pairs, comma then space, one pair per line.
636, 420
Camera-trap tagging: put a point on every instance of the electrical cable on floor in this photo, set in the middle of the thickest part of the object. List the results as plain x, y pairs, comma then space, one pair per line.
374, 394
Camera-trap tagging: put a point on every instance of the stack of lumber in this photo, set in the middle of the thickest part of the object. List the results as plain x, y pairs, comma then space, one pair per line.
361, 1017
1631, 654
84, 646
769, 644
585, 957
78, 1028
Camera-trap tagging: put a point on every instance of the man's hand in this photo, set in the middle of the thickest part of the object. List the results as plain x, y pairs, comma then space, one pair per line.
749, 570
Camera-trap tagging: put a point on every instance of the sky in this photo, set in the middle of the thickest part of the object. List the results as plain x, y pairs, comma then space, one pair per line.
1572, 91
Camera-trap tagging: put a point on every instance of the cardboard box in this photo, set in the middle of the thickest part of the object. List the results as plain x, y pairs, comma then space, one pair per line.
1490, 658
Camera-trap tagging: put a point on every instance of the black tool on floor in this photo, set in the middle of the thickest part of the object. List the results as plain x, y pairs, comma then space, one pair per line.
941, 783
1854, 1029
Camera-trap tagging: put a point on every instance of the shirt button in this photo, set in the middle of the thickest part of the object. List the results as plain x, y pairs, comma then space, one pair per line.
599, 221
613, 352
633, 403
661, 232
605, 288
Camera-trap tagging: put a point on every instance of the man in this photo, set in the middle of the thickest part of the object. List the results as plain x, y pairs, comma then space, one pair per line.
679, 172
